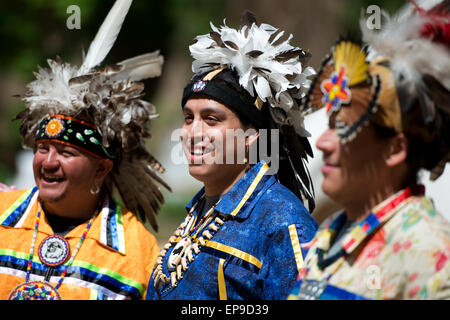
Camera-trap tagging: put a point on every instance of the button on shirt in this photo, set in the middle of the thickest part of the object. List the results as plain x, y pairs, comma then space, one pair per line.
255, 254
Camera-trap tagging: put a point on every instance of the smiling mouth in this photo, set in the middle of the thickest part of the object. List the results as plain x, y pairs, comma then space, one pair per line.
331, 165
201, 151
50, 178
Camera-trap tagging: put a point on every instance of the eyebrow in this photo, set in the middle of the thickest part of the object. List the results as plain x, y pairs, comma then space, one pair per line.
206, 110
59, 146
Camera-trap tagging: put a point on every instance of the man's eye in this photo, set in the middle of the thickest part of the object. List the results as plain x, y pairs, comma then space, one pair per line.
213, 119
42, 148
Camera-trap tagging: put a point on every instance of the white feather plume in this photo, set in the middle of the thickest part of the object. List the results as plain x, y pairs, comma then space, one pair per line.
145, 66
106, 35
420, 66
267, 67
410, 52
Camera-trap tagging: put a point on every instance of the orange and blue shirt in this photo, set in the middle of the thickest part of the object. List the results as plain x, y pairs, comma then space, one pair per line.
255, 254
114, 261
400, 251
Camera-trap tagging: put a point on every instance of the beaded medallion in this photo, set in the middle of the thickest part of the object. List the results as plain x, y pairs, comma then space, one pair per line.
54, 251
34, 290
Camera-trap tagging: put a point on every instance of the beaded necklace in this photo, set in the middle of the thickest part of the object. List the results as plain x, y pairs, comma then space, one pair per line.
187, 245
43, 290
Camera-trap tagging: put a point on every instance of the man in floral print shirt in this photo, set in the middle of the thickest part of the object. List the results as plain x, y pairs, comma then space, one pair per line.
388, 242
404, 255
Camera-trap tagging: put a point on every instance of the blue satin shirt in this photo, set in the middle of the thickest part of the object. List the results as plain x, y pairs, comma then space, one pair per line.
255, 254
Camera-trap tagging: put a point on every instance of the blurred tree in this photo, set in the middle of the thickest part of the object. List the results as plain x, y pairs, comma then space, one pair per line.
355, 8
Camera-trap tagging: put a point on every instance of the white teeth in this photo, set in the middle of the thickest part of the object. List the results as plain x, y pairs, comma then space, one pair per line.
198, 151
51, 177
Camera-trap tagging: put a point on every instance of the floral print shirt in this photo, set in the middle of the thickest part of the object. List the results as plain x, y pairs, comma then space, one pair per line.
400, 251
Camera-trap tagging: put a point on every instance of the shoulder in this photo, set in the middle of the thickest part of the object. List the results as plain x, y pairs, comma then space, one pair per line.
418, 226
9, 197
420, 217
283, 208
418, 242
135, 230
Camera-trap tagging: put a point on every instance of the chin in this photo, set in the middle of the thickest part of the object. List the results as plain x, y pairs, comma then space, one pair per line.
201, 172
51, 196
203, 168
331, 189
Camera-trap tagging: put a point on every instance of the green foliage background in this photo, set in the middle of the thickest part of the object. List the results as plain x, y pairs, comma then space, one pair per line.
32, 31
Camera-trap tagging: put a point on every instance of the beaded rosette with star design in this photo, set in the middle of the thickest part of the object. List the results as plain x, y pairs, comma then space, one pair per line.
34, 290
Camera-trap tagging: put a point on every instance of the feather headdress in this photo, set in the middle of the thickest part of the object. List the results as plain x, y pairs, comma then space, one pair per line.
110, 99
271, 72
347, 86
417, 42
403, 83
268, 67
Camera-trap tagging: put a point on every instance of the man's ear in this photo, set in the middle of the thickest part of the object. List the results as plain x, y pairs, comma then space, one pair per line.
103, 168
398, 150
251, 138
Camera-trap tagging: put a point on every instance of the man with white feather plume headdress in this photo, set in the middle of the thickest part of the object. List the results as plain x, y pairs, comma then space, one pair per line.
241, 237
87, 127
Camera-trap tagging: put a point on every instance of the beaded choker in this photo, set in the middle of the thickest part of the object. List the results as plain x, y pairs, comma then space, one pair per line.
187, 245
53, 251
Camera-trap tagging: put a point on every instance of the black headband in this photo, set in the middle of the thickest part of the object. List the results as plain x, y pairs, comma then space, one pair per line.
72, 132
225, 94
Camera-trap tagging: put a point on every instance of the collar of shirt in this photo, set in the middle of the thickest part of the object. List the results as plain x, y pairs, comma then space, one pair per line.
107, 227
239, 200
380, 214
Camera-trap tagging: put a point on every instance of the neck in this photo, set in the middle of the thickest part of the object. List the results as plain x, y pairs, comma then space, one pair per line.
359, 209
72, 209
223, 185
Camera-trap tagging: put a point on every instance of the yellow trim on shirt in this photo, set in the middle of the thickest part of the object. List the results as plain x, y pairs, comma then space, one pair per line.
250, 189
221, 281
234, 252
296, 247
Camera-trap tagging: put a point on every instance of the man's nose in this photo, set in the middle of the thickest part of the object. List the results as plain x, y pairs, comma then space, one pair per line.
196, 131
51, 160
327, 141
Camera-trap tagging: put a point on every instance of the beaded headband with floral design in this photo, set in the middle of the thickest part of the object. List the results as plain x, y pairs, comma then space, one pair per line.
349, 86
73, 132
